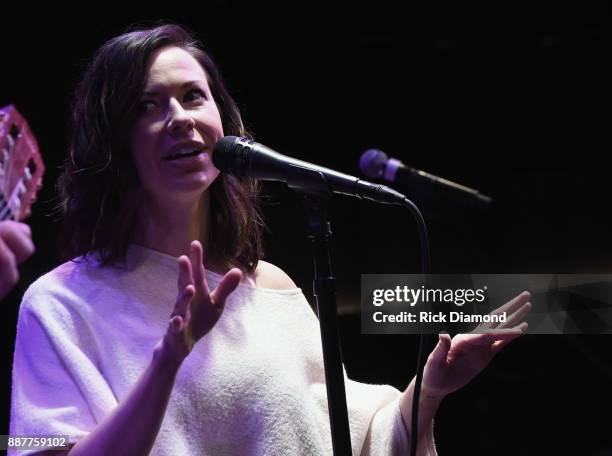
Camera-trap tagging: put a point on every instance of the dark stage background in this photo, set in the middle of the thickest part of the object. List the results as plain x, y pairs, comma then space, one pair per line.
510, 98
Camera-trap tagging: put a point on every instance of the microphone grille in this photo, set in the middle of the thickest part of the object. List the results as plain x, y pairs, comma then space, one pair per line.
372, 163
223, 152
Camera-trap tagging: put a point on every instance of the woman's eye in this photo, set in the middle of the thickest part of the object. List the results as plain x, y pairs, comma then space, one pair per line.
195, 95
146, 105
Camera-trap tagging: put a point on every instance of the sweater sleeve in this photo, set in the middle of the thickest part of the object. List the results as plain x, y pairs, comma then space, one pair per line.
387, 434
56, 388
384, 431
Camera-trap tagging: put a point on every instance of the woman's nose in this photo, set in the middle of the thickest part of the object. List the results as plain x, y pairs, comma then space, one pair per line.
179, 121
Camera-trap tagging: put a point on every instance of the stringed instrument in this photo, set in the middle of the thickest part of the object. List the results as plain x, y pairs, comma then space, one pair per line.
21, 165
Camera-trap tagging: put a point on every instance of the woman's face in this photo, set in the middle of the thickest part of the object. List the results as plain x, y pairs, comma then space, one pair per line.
177, 128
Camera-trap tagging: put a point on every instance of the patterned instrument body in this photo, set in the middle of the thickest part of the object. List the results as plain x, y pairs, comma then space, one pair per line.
21, 165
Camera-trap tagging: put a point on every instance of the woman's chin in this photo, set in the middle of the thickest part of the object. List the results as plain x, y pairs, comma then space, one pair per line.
194, 183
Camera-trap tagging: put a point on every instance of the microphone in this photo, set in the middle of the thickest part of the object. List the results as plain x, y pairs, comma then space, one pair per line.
243, 158
374, 163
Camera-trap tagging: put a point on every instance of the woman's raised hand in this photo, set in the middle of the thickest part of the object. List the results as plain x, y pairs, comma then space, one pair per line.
454, 362
196, 310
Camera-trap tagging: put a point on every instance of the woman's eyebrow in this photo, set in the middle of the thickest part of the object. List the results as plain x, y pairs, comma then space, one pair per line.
155, 90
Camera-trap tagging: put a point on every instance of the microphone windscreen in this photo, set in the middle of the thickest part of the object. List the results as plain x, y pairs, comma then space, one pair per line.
222, 152
372, 163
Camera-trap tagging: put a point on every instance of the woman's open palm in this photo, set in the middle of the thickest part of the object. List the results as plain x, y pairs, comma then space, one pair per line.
196, 310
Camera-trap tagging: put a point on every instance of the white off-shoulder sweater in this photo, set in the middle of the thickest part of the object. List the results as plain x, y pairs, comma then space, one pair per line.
254, 385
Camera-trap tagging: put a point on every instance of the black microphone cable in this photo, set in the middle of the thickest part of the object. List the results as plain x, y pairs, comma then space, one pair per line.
425, 268
375, 161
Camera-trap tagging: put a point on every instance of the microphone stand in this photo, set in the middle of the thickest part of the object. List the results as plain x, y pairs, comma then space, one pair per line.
315, 195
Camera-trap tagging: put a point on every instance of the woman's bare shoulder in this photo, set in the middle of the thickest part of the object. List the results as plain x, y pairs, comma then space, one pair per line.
267, 275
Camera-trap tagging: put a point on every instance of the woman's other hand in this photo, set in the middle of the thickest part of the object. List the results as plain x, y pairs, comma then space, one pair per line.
15, 246
454, 362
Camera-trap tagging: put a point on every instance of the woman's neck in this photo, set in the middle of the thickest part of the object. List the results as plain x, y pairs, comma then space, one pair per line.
170, 227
